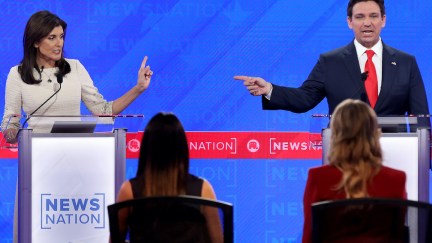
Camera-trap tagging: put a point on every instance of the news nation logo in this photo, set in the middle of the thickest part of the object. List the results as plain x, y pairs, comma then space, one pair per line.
86, 210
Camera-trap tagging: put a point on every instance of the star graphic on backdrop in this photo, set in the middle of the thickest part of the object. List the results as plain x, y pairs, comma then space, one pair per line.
236, 14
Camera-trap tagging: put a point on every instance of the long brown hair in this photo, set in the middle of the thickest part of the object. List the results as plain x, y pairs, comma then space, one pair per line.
355, 148
163, 165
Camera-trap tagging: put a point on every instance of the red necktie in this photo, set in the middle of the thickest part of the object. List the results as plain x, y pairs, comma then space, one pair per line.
371, 83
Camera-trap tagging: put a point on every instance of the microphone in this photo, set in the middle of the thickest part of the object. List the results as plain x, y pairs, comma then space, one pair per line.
363, 96
60, 81
364, 76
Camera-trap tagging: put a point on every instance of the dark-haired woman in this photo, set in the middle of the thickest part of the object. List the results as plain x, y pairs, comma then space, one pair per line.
163, 170
36, 77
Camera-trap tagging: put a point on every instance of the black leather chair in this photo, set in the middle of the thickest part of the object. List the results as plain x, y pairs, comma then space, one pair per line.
172, 219
371, 220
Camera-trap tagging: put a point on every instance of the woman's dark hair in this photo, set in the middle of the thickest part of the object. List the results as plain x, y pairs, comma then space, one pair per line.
163, 165
351, 4
39, 26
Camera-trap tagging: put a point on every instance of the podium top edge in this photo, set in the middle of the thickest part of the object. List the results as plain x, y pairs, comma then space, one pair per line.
382, 116
77, 116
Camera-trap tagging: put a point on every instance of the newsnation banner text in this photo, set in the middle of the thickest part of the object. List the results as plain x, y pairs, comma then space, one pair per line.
229, 145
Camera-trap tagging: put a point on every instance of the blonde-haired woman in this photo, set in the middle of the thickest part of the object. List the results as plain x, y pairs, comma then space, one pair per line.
355, 169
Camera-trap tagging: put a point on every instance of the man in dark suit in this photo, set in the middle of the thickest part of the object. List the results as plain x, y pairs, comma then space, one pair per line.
343, 73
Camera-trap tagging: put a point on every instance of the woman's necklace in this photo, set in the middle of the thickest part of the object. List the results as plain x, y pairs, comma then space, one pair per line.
48, 74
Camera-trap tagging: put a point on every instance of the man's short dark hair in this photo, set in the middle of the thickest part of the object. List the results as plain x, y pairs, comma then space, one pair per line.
351, 4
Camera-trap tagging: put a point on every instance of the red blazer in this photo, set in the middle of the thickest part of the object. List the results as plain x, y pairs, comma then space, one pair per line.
388, 183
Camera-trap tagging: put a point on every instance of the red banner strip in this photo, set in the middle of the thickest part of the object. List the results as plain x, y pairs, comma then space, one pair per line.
231, 145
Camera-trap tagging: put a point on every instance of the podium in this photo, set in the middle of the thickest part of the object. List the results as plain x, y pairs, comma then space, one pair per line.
67, 180
406, 151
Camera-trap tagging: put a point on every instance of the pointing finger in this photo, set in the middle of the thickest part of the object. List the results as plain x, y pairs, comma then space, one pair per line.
143, 64
244, 78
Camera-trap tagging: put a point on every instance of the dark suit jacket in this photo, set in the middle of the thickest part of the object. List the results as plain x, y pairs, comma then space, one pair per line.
388, 183
337, 76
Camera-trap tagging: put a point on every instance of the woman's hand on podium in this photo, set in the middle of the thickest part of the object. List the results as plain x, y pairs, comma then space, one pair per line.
10, 135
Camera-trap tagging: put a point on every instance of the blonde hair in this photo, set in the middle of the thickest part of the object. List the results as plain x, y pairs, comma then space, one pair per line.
354, 146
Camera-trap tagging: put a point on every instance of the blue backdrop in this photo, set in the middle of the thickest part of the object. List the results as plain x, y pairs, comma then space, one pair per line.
195, 47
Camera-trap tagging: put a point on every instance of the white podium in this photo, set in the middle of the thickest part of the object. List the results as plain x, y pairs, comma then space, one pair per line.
409, 152
65, 183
